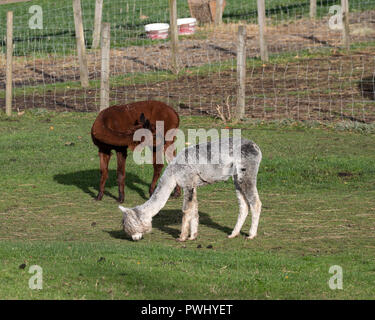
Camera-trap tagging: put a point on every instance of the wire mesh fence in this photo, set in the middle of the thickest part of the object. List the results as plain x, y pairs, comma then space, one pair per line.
309, 74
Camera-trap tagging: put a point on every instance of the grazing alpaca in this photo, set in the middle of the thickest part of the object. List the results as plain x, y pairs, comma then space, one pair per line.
241, 161
114, 128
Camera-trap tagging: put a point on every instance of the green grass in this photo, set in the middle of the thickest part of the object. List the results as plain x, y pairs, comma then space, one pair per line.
58, 35
316, 182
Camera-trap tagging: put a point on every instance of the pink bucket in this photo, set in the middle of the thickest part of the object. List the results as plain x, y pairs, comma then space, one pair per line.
157, 30
186, 26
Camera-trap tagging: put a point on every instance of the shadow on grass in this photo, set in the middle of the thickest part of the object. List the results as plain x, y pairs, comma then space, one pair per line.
367, 87
165, 218
89, 179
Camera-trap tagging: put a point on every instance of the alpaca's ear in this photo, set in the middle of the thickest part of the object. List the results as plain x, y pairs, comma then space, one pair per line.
122, 209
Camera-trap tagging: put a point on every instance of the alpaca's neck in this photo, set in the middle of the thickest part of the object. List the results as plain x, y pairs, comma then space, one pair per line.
161, 194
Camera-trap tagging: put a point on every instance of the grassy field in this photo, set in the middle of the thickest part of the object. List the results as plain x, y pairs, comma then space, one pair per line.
316, 182
128, 18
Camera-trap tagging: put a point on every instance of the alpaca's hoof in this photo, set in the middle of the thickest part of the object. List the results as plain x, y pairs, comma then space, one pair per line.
100, 195
231, 236
120, 200
251, 237
150, 192
181, 239
193, 237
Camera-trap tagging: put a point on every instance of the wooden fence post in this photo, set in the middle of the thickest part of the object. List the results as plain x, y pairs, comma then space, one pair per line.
219, 12
81, 48
174, 35
262, 24
97, 24
345, 21
241, 73
9, 64
12, 1
312, 9
105, 52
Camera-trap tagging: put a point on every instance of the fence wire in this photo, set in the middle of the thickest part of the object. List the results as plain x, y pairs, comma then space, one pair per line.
309, 75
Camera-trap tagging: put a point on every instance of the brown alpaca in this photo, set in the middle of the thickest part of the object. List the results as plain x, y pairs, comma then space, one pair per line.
114, 128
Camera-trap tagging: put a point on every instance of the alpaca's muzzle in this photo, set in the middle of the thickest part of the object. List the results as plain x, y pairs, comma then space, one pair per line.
137, 236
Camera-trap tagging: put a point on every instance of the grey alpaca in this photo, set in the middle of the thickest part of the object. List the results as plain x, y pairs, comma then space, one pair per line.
199, 165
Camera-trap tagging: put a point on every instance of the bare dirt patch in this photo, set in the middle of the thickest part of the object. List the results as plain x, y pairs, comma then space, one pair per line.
328, 88
335, 87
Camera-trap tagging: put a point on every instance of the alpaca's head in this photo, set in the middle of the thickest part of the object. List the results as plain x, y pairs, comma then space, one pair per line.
134, 224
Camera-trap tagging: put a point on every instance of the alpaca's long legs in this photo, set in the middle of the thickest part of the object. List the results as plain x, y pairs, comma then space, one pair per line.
185, 227
121, 162
248, 197
187, 214
256, 207
190, 215
104, 161
244, 210
194, 222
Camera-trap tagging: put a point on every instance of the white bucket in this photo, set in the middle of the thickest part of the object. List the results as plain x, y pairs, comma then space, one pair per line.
157, 30
186, 26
